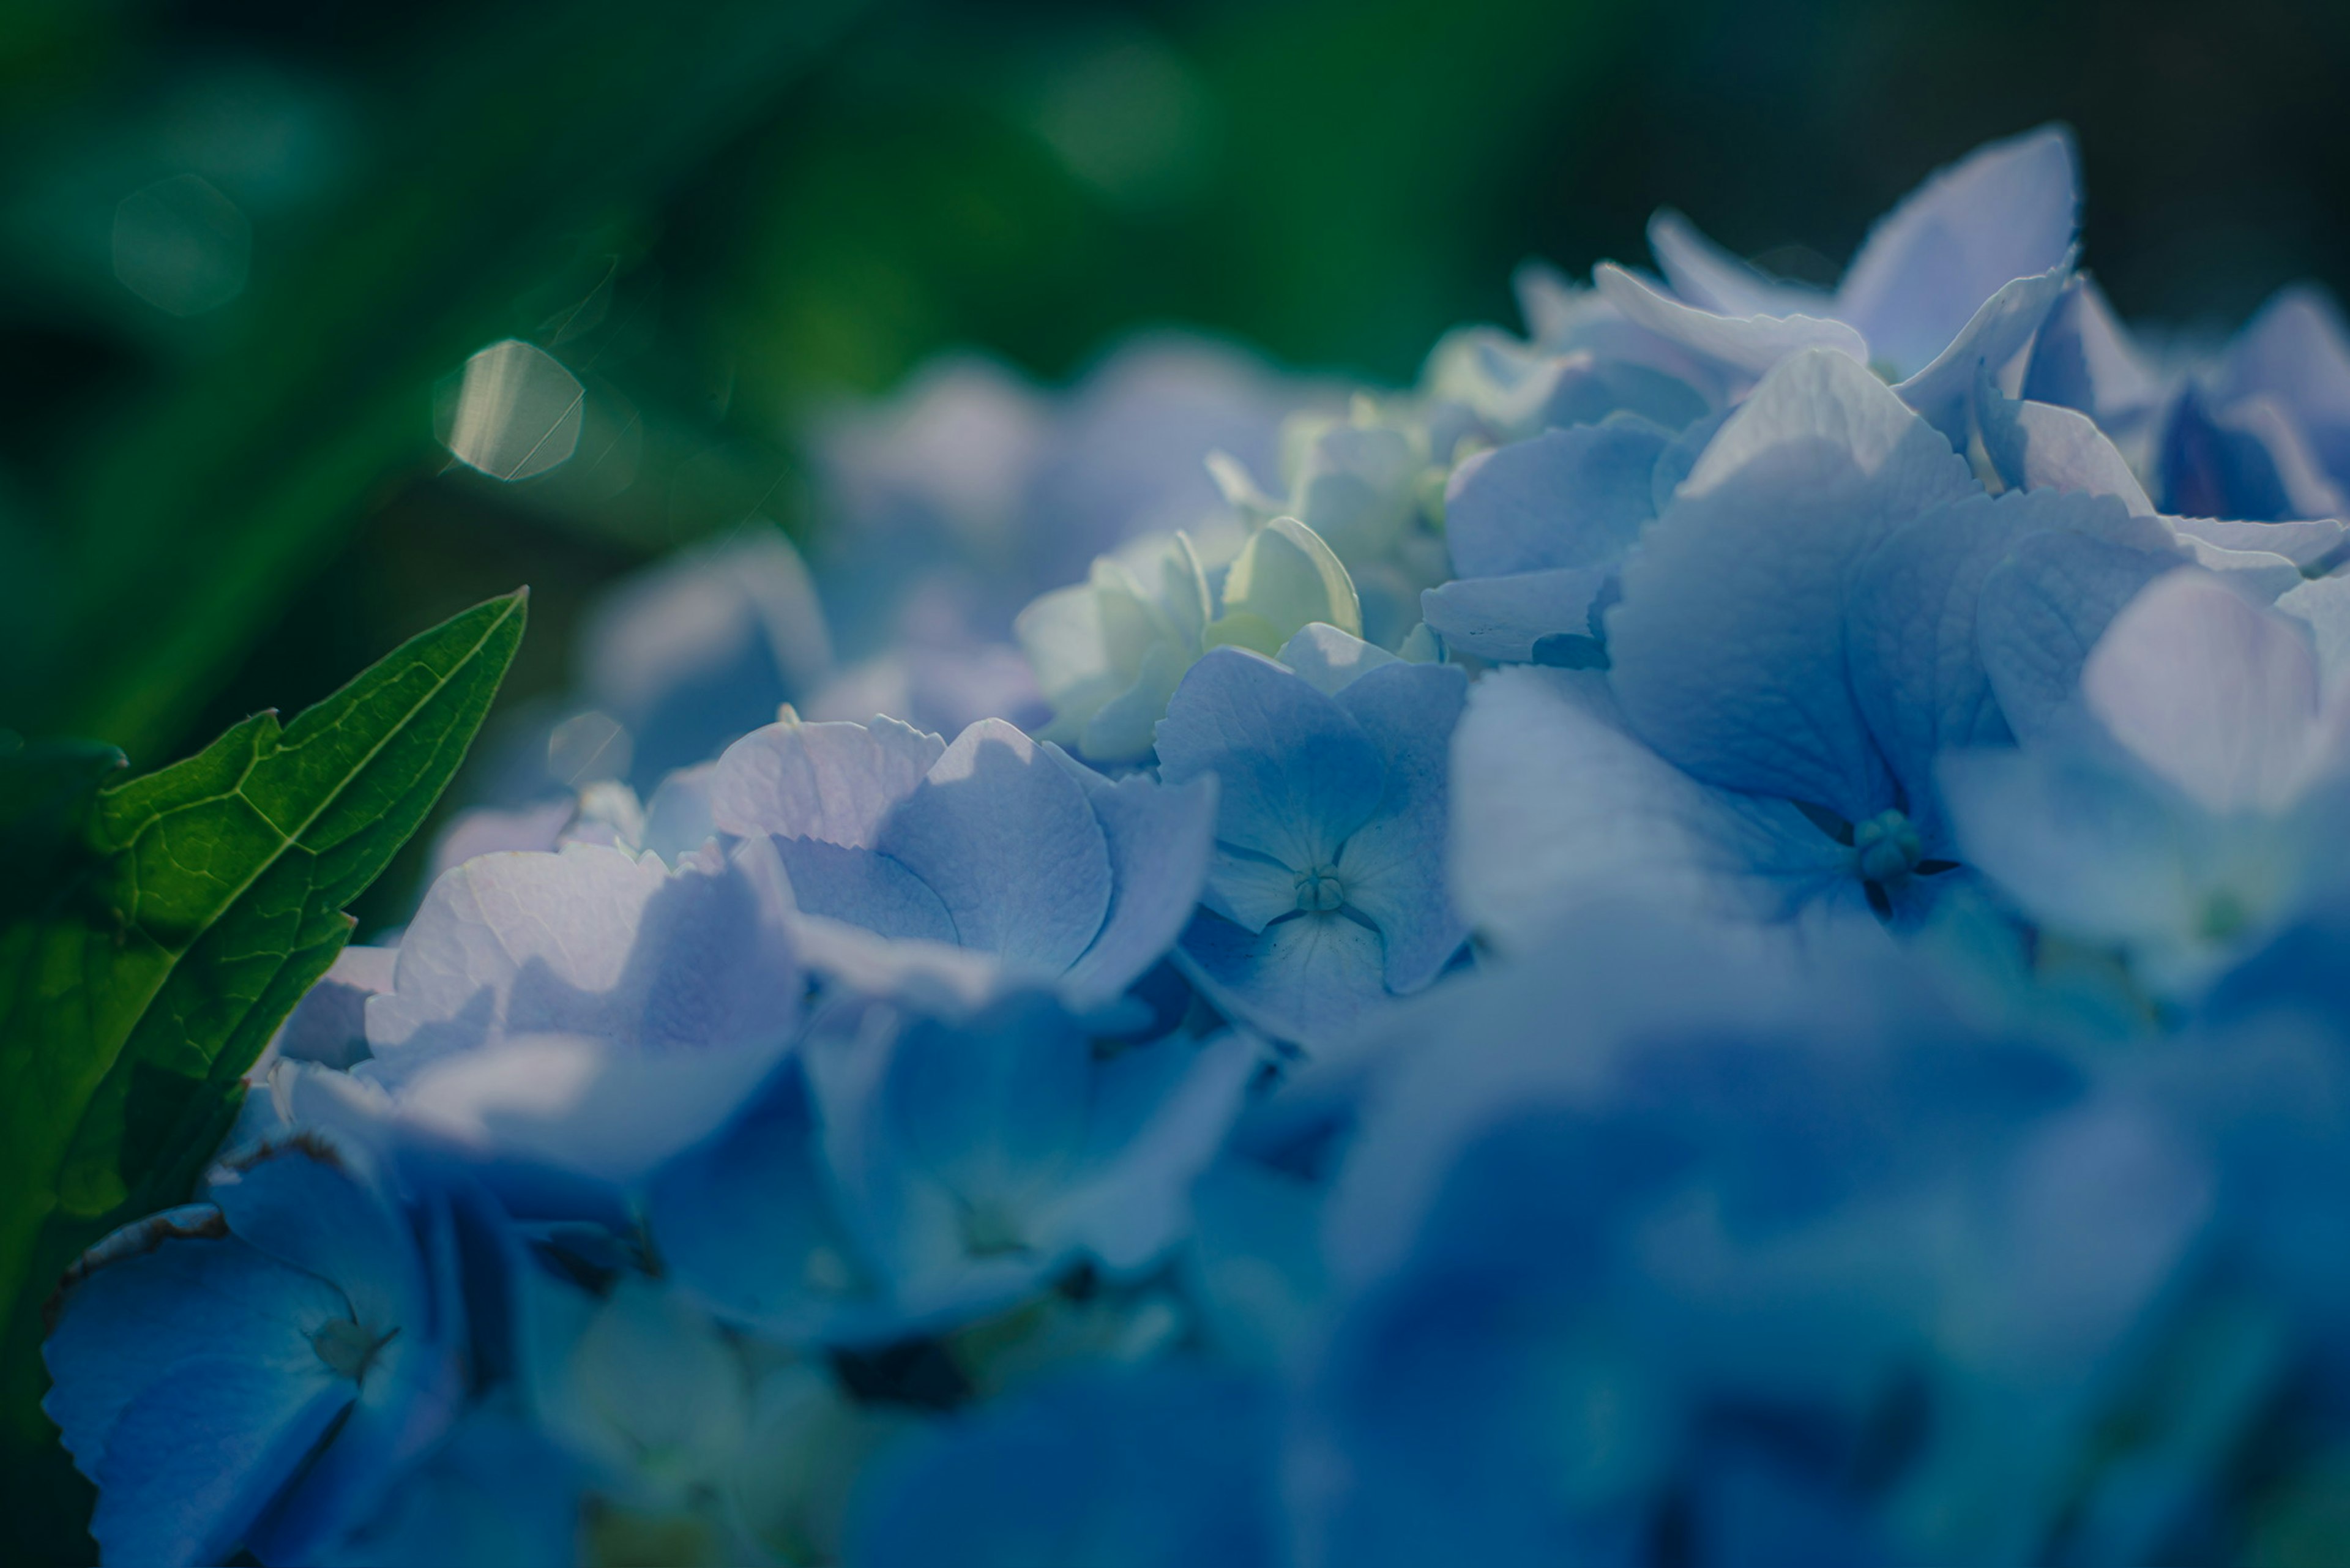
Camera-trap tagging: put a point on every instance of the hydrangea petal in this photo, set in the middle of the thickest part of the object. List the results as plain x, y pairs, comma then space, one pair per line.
1313, 977
1329, 661
588, 942
2297, 351
1505, 619
2041, 609
2007, 211
107, 1347
2044, 446
1911, 636
1711, 278
200, 1453
1160, 837
1574, 497
1298, 774
1942, 390
1746, 344
1554, 804
834, 782
1727, 649
2210, 693
1007, 840
299, 1205
864, 887
2084, 359
1392, 868
2080, 846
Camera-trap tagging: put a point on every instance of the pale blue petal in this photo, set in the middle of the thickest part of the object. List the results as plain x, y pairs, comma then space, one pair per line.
681, 818
1727, 648
1312, 978
1298, 775
198, 1454
1748, 345
1329, 659
2212, 694
1392, 868
1909, 635
1160, 837
2040, 611
2304, 543
2044, 446
1942, 392
1681, 459
2297, 352
2081, 847
2324, 606
1589, 386
2010, 210
1505, 619
864, 887
832, 782
1006, 837
1911, 626
2084, 359
589, 941
1554, 804
1574, 497
1711, 278
1821, 399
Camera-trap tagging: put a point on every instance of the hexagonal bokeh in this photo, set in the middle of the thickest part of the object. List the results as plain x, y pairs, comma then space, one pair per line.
181, 246
518, 411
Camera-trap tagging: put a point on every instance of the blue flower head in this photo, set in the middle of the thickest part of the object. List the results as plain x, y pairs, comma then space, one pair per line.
253, 1371
1326, 896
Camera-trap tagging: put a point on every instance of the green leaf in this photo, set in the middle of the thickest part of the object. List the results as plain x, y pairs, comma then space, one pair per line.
199, 903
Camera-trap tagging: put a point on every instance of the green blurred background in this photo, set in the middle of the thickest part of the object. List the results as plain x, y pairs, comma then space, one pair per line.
242, 244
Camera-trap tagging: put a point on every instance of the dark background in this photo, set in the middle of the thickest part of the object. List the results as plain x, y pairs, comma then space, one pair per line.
732, 212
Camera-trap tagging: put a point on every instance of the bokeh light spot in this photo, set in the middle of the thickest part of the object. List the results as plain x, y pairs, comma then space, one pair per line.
518, 411
181, 246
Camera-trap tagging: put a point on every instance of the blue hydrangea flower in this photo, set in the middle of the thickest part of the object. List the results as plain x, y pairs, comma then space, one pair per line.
2196, 816
1960, 275
251, 1371
1828, 603
913, 1169
1788, 1264
1326, 896
995, 845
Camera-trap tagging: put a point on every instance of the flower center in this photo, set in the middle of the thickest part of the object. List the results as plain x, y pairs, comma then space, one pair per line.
1887, 847
348, 1348
1319, 891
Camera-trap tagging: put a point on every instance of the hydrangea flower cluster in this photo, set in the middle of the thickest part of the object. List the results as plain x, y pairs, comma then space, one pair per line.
1714, 938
